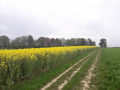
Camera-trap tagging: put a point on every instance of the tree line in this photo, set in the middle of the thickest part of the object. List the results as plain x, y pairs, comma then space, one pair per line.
30, 42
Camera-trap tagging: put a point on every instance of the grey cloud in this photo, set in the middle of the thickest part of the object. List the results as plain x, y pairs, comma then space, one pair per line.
93, 19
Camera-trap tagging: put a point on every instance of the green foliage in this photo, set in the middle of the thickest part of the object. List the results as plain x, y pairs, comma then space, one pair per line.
109, 70
89, 42
4, 42
29, 42
103, 43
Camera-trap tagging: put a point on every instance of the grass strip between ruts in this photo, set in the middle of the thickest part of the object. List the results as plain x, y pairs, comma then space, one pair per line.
75, 83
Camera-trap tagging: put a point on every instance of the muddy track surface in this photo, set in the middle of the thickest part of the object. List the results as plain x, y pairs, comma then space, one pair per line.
60, 87
66, 71
86, 81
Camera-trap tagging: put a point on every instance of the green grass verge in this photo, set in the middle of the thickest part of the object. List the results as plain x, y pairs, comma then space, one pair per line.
42, 79
108, 70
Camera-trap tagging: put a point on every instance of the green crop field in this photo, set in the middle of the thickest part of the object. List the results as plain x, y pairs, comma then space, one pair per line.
107, 70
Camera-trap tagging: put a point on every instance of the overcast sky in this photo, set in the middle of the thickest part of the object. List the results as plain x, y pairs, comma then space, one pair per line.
93, 19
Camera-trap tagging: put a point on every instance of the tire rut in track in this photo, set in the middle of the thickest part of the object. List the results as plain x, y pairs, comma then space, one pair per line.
55, 79
60, 87
86, 81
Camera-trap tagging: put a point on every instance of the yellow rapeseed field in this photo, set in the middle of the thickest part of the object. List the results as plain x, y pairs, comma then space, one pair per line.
19, 64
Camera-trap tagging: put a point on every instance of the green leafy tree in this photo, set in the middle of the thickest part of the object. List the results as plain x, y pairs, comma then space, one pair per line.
41, 42
93, 43
83, 42
20, 42
58, 42
103, 43
89, 42
4, 42
30, 41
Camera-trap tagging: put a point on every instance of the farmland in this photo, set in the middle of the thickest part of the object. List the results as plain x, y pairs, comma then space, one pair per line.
60, 68
108, 70
22, 64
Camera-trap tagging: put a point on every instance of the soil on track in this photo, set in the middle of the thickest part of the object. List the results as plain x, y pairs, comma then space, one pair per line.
87, 80
69, 78
66, 81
